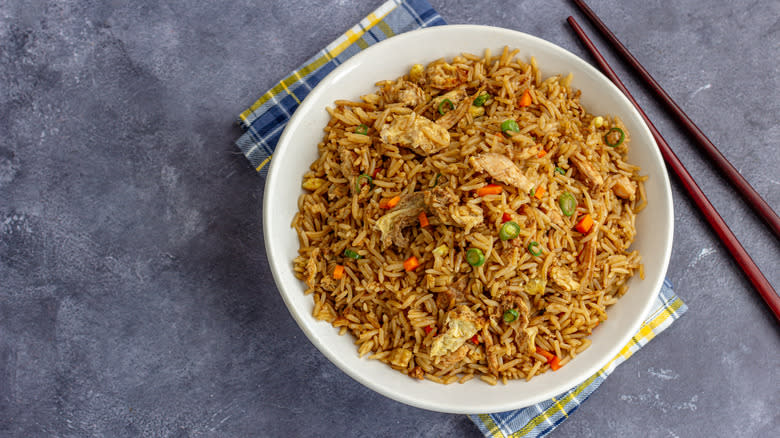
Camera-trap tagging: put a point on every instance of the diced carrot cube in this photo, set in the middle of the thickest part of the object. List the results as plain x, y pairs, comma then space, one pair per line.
585, 224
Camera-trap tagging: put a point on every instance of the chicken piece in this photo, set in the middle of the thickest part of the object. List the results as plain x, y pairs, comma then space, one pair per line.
400, 357
527, 337
404, 214
501, 168
310, 272
624, 187
453, 295
444, 204
416, 133
586, 168
347, 160
406, 93
444, 76
563, 278
452, 358
329, 283
462, 323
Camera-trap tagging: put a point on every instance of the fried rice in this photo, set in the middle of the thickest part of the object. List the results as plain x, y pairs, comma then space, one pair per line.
469, 219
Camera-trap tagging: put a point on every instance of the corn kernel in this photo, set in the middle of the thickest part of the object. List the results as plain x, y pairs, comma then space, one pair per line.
598, 122
476, 111
313, 183
441, 250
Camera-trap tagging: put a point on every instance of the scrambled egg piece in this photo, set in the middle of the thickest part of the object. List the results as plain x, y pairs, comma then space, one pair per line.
400, 357
444, 76
416, 72
462, 324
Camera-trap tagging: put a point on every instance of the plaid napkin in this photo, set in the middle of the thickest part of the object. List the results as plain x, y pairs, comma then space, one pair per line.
265, 120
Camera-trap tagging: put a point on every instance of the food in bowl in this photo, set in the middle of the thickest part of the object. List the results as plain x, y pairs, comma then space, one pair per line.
469, 219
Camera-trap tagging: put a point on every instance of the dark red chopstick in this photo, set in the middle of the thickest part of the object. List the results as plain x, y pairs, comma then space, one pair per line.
713, 218
740, 183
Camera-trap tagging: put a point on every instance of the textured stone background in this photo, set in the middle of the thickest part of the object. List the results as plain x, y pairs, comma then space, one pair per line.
135, 296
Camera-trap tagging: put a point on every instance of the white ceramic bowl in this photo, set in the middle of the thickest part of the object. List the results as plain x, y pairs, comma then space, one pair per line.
389, 59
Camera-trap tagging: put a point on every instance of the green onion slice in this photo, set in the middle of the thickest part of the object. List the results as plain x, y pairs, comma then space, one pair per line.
567, 203
510, 315
475, 257
509, 125
559, 170
442, 103
620, 140
509, 230
535, 249
361, 129
369, 181
479, 101
351, 254
436, 181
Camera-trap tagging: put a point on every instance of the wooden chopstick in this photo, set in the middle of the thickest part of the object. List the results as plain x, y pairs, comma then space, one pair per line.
723, 231
750, 195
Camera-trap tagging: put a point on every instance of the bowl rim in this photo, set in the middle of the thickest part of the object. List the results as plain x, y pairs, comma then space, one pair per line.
277, 266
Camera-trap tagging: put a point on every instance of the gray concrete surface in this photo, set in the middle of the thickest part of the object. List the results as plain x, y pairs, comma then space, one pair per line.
135, 295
